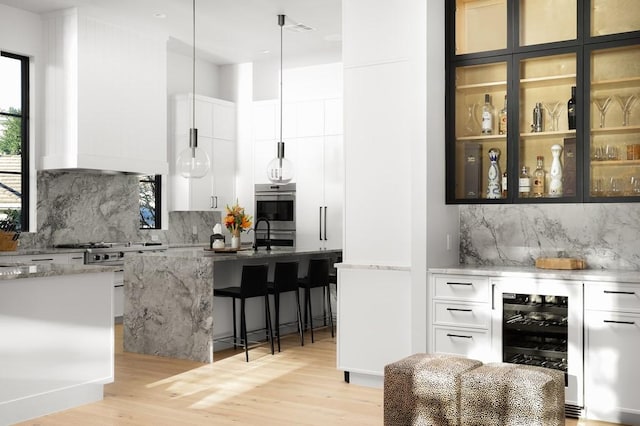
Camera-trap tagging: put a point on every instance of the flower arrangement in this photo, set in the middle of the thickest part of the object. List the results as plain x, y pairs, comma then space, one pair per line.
236, 220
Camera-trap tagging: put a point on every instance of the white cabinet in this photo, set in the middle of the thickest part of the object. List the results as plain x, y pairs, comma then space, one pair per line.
612, 336
314, 144
105, 96
460, 316
216, 124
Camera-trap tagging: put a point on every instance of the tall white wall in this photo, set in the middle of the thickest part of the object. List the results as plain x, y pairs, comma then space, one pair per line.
21, 33
180, 76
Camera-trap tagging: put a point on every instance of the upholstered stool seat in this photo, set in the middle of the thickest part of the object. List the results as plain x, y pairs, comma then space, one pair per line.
424, 389
512, 394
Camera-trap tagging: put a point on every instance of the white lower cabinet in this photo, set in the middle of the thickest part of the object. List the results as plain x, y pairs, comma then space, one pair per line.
461, 316
612, 336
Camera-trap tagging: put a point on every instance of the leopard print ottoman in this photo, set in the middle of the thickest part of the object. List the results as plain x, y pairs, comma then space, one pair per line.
501, 394
424, 389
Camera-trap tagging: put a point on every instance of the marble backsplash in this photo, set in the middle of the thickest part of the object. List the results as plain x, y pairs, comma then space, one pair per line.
607, 236
82, 206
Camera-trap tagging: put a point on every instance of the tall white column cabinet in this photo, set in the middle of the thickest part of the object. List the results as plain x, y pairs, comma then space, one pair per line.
216, 123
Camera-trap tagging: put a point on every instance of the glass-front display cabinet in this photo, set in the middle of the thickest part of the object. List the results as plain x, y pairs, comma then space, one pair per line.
542, 101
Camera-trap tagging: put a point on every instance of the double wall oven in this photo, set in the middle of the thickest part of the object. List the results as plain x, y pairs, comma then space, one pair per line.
277, 204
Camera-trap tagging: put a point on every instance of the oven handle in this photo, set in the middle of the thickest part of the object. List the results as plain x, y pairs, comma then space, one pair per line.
273, 195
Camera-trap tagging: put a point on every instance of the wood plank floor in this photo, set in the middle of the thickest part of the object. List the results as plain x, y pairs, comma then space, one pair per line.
298, 386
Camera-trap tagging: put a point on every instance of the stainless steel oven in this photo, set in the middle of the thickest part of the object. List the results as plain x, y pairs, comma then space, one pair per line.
277, 204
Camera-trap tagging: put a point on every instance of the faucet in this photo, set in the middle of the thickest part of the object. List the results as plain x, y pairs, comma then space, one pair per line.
255, 233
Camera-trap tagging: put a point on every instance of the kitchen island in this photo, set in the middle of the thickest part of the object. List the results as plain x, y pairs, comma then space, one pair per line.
169, 307
56, 350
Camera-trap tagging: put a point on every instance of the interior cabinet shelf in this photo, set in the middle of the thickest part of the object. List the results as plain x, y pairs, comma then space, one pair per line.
480, 138
615, 130
554, 79
492, 84
616, 163
560, 133
623, 82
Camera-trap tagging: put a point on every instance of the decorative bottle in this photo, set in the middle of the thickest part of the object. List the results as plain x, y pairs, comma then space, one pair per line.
487, 116
571, 109
538, 178
502, 118
493, 185
524, 183
555, 174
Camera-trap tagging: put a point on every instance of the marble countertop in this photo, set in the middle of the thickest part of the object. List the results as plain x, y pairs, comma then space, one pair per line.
586, 275
11, 271
49, 250
245, 253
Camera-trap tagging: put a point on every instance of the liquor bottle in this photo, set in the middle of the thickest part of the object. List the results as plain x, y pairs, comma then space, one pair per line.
538, 118
571, 109
504, 185
524, 183
555, 173
487, 116
493, 184
502, 118
538, 179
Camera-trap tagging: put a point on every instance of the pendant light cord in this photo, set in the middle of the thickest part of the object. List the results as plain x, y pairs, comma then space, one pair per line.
193, 70
281, 23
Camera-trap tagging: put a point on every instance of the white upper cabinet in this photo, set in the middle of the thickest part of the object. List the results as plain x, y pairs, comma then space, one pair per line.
216, 124
105, 96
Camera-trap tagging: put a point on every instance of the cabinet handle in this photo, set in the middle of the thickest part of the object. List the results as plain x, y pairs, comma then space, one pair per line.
493, 297
459, 310
213, 201
619, 322
325, 223
455, 283
459, 335
42, 260
619, 292
320, 224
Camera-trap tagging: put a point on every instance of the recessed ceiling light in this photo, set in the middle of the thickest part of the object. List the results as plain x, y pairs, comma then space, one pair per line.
264, 52
159, 15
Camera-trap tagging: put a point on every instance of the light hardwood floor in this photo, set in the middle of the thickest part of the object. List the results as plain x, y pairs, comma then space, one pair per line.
299, 386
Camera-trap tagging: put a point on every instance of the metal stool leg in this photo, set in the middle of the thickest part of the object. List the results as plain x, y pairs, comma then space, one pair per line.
299, 312
243, 329
235, 337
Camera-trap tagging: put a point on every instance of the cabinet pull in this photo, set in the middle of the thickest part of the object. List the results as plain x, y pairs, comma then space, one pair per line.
619, 292
42, 260
213, 201
320, 224
493, 298
325, 223
455, 283
459, 310
459, 335
619, 322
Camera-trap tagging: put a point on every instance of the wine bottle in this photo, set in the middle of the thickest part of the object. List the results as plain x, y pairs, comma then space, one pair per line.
487, 116
502, 118
571, 109
524, 183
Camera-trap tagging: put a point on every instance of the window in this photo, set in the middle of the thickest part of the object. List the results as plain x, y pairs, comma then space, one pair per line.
14, 139
150, 201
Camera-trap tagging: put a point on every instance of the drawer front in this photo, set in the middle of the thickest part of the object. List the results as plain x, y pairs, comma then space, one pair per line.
474, 344
461, 287
476, 315
612, 297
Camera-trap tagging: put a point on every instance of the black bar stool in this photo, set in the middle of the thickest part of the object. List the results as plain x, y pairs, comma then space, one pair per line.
253, 283
285, 279
317, 277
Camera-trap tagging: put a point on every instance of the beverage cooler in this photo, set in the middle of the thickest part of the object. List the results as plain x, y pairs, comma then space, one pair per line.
539, 322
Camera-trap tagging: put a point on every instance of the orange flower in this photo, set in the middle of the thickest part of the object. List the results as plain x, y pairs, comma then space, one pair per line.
236, 219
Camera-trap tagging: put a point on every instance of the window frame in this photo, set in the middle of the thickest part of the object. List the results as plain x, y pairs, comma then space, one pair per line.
157, 179
24, 124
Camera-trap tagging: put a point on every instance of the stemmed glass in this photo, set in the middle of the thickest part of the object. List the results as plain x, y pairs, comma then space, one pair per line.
472, 126
554, 108
626, 103
603, 104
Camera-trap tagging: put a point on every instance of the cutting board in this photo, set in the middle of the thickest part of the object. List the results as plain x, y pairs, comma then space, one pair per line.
560, 263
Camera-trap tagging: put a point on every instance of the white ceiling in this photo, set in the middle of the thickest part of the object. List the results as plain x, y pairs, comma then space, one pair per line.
227, 31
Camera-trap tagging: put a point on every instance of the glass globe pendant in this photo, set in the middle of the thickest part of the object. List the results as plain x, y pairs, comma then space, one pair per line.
280, 170
193, 162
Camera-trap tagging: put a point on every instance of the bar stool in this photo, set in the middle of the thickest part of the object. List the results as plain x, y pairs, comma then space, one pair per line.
253, 283
317, 277
285, 279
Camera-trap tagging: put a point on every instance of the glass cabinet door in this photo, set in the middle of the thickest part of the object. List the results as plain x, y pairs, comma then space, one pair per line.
615, 122
480, 139
547, 21
481, 25
614, 16
546, 127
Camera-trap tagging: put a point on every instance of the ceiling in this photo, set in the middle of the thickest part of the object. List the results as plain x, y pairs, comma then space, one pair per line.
227, 31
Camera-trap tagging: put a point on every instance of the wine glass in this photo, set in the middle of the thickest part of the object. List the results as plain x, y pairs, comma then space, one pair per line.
603, 104
626, 103
472, 125
554, 108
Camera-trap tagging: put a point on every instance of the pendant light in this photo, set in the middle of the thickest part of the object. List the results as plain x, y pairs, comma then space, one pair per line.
193, 162
280, 170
